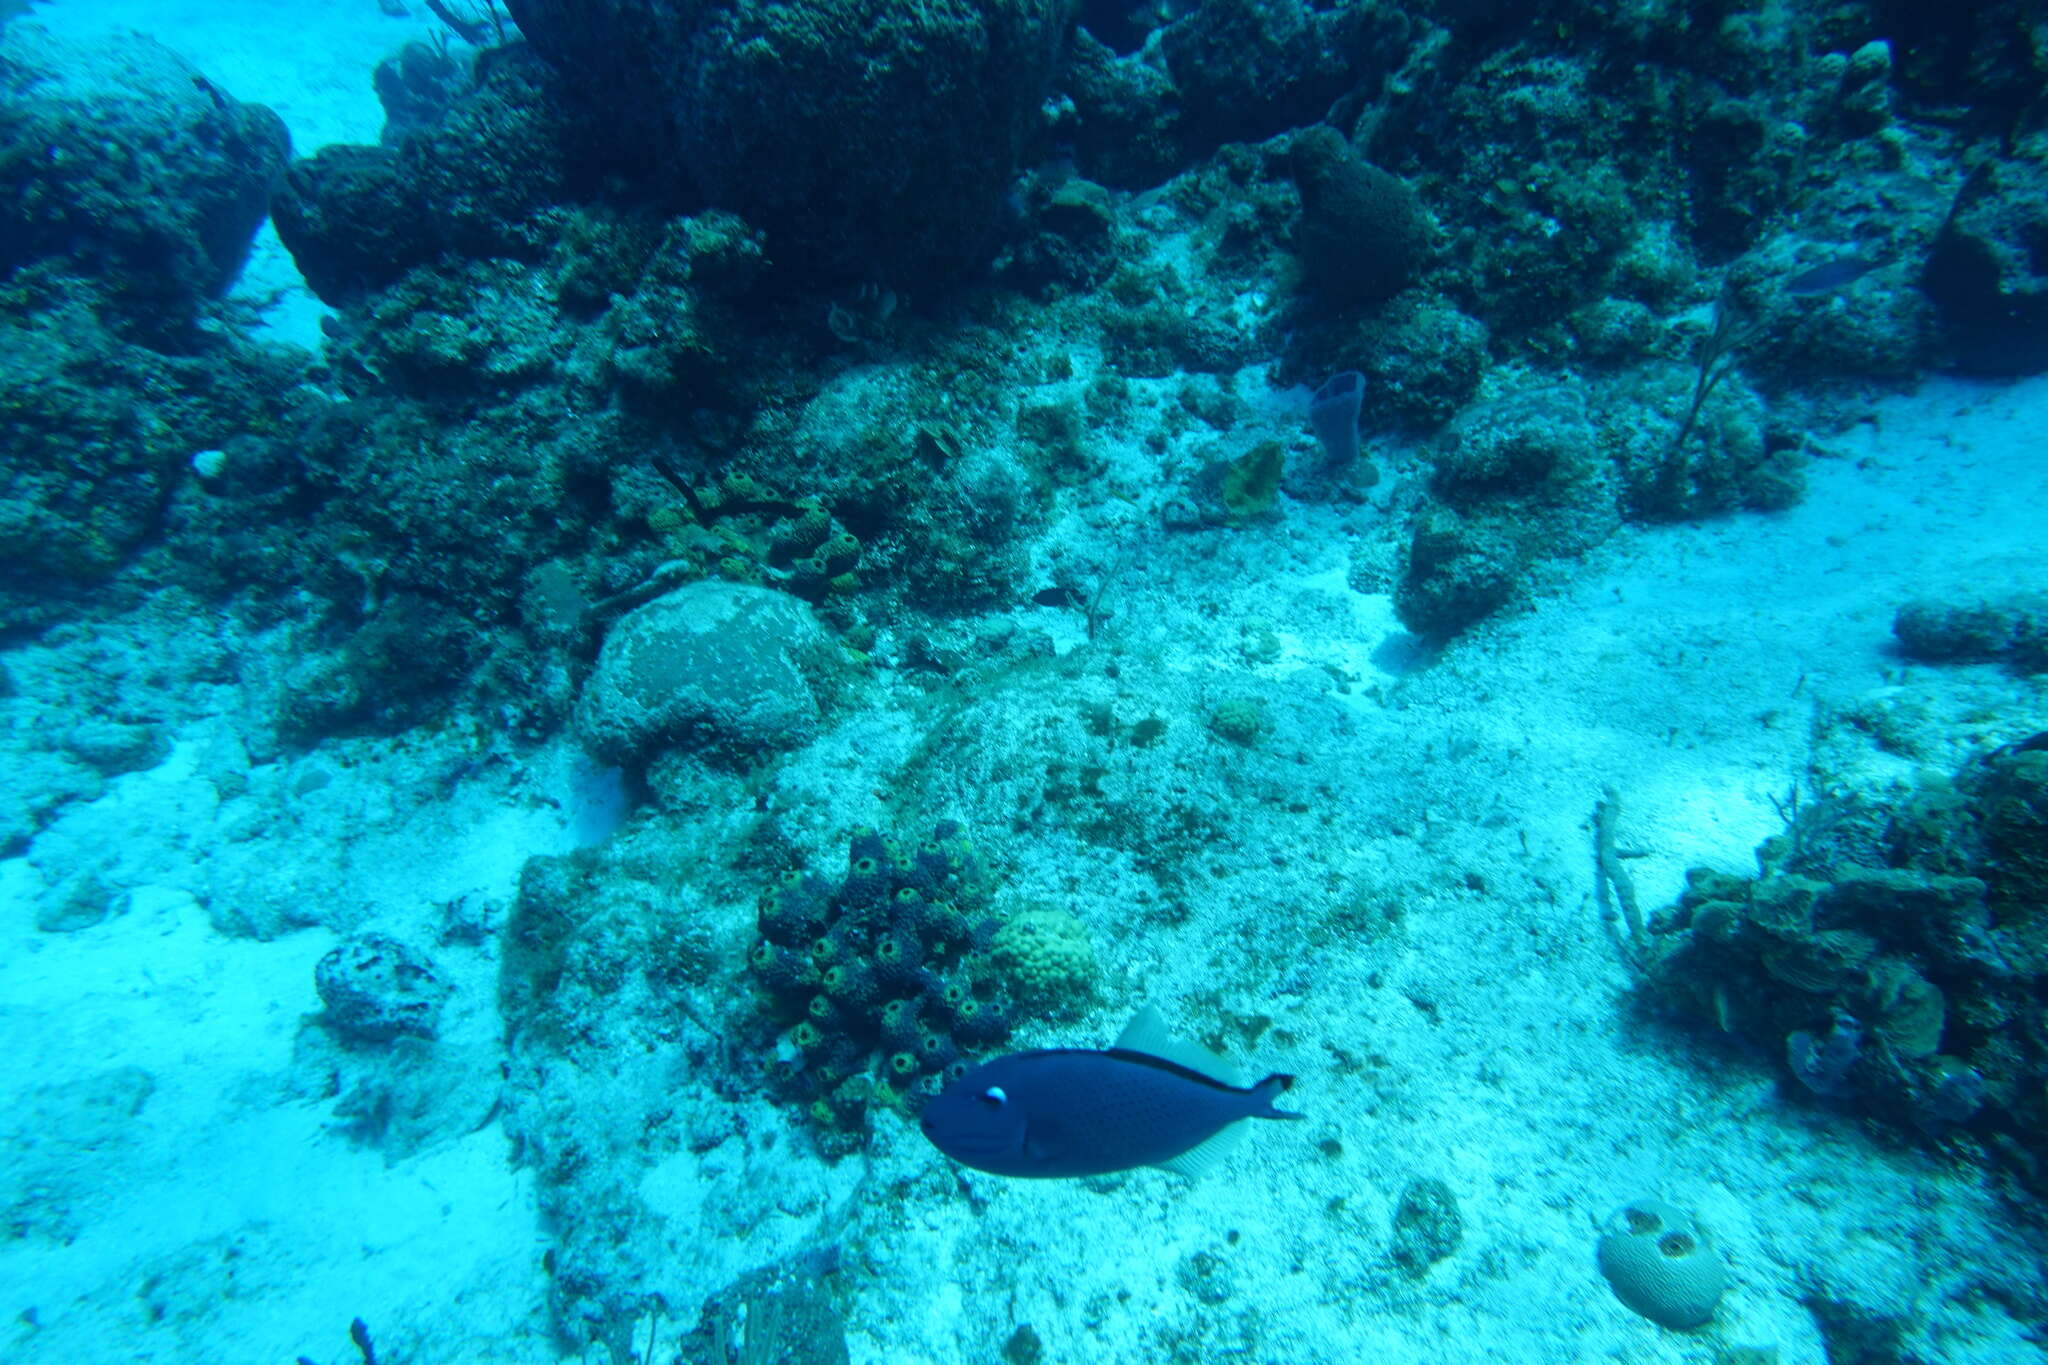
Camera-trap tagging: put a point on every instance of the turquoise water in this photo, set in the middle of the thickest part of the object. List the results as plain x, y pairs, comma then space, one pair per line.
599, 602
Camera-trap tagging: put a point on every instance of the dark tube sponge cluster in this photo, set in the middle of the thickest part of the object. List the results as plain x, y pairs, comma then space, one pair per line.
885, 973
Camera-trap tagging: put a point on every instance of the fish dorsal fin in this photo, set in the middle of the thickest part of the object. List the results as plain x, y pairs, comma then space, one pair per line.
1206, 1155
1147, 1033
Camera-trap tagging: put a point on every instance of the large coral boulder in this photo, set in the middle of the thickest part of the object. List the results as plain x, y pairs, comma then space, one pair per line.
732, 670
488, 178
1363, 232
1247, 69
871, 140
124, 168
1988, 271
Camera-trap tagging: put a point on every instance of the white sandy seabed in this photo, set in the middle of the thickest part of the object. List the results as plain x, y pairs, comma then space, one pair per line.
231, 1222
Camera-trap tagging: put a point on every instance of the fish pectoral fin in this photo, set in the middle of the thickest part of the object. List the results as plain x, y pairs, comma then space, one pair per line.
1206, 1155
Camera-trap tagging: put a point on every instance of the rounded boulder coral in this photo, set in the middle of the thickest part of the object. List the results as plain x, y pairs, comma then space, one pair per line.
720, 667
1047, 958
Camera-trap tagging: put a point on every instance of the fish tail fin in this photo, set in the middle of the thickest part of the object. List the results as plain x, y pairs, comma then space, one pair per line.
1270, 1089
1204, 1156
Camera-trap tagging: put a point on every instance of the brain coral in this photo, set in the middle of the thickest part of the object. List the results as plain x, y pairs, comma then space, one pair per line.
725, 667
1658, 1262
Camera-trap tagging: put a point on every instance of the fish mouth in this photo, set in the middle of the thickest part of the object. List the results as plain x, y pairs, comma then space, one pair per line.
961, 1146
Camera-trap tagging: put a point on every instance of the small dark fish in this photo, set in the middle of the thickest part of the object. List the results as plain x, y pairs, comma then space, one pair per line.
1151, 1100
1061, 166
1058, 596
212, 92
2033, 743
1829, 276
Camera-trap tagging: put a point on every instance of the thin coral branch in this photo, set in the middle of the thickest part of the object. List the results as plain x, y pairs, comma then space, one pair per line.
1611, 877
478, 25
1732, 330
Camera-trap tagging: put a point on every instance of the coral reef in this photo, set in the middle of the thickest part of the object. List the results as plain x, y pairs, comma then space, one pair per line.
692, 365
130, 190
1890, 954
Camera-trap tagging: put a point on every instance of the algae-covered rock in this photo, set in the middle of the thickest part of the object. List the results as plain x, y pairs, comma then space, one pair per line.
352, 219
1457, 575
1726, 462
1975, 629
60, 1139
1426, 1228
78, 902
1521, 482
1422, 358
376, 988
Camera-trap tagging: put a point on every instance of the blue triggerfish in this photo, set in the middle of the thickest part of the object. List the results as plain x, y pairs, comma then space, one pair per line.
1152, 1100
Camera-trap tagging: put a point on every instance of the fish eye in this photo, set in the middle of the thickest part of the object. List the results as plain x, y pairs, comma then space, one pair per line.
994, 1097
